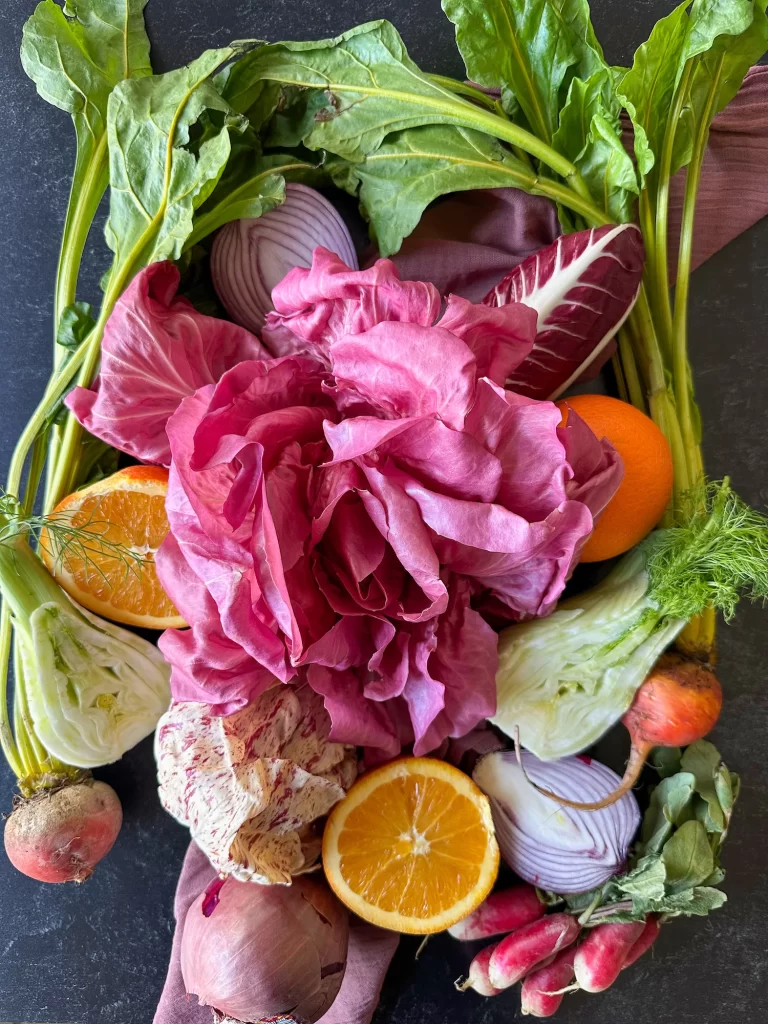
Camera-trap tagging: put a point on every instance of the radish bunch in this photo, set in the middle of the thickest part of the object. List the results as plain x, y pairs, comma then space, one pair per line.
540, 949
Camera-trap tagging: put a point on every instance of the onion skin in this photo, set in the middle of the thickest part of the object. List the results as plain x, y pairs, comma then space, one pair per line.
60, 836
550, 846
249, 257
267, 951
678, 703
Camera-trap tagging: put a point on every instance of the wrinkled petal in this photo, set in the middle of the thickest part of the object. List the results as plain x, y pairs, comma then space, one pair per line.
317, 306
405, 370
597, 466
499, 342
157, 349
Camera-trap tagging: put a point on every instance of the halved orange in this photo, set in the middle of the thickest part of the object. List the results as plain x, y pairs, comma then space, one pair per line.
411, 847
101, 547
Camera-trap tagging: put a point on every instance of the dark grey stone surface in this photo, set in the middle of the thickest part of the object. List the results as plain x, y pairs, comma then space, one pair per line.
97, 954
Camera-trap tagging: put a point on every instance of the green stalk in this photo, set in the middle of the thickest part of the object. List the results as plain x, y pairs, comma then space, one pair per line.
681, 371
80, 213
631, 376
660, 269
464, 89
7, 741
39, 755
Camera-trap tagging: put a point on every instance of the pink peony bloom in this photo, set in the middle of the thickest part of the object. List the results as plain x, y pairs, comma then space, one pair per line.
341, 513
156, 350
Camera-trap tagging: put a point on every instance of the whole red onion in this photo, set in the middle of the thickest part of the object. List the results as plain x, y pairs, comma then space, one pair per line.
266, 950
249, 257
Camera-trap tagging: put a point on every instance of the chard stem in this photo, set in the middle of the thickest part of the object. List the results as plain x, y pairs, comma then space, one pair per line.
660, 269
681, 370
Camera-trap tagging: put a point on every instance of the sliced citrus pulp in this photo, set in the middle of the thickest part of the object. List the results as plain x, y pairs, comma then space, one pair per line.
411, 846
101, 548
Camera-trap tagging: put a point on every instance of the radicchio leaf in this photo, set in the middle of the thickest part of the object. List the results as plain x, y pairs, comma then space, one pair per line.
583, 287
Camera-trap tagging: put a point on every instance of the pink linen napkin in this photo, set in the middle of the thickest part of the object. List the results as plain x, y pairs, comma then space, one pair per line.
465, 245
370, 952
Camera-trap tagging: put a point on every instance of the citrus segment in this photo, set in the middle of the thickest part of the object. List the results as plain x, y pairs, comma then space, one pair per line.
102, 543
411, 847
645, 491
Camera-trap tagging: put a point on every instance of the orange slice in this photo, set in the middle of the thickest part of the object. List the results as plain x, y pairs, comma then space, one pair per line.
101, 547
411, 846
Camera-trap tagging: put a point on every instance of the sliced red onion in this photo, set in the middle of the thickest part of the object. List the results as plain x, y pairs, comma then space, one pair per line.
249, 257
546, 844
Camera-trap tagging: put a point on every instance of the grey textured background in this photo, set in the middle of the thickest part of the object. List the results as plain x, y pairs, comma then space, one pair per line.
97, 954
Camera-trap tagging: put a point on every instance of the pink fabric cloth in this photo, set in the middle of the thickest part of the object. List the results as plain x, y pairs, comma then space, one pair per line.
370, 952
465, 245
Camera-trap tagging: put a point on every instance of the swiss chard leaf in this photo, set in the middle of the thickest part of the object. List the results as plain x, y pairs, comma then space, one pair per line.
158, 178
76, 56
530, 48
648, 88
589, 134
411, 168
724, 41
75, 324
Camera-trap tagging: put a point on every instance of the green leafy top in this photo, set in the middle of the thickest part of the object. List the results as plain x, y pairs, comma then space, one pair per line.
78, 54
676, 868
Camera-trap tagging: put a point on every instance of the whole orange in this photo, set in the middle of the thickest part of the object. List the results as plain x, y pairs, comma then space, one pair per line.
644, 493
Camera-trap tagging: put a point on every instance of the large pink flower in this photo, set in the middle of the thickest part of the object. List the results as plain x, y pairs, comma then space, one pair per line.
342, 511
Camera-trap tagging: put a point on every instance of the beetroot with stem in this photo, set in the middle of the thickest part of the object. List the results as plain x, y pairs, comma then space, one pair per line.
60, 835
678, 703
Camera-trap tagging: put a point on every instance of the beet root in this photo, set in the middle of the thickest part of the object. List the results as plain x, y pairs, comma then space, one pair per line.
60, 835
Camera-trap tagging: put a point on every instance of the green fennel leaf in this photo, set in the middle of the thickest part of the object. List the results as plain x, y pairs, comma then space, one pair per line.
411, 168
528, 47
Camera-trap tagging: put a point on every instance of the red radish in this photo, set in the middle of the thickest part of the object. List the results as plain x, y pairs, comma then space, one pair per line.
678, 703
478, 974
501, 913
60, 835
601, 956
529, 946
541, 993
647, 938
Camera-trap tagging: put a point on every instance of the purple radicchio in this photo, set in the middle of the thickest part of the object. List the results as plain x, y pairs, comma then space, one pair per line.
583, 287
342, 511
156, 350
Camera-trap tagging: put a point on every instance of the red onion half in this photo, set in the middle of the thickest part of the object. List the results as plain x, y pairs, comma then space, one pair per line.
249, 257
266, 950
546, 844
